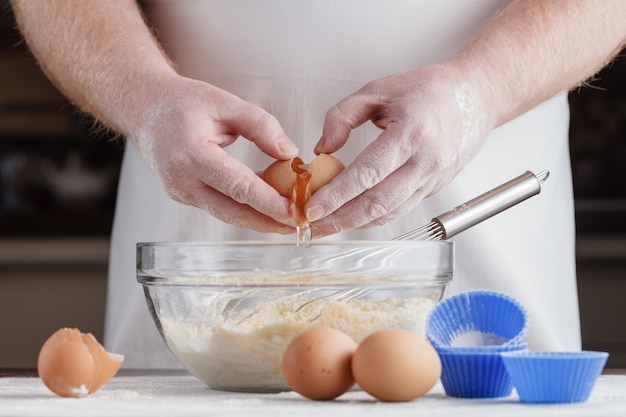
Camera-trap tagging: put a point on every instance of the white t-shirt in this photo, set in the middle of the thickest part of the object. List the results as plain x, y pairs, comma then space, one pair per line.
297, 58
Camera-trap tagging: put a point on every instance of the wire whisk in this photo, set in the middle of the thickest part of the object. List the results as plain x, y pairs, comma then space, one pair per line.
480, 208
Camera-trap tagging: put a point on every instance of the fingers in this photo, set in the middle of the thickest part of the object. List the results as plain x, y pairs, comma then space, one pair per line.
382, 157
394, 196
229, 211
403, 209
236, 181
240, 215
207, 177
342, 118
262, 128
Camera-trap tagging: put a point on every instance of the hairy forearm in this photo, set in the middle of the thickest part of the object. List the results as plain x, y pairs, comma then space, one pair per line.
102, 55
535, 49
98, 53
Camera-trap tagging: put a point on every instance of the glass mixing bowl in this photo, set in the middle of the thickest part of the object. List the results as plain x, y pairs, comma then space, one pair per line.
228, 310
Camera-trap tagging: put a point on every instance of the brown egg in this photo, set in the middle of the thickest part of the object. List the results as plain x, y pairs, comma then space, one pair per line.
395, 365
282, 175
316, 363
74, 364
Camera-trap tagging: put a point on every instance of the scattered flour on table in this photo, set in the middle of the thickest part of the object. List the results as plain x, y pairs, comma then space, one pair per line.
121, 394
245, 351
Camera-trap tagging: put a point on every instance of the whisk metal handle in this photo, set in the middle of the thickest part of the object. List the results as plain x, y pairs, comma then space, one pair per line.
490, 203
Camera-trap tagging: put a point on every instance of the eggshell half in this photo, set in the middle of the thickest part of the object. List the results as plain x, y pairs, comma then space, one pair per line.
282, 177
106, 364
323, 169
73, 364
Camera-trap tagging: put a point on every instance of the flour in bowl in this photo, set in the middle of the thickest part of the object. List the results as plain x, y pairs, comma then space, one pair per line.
243, 351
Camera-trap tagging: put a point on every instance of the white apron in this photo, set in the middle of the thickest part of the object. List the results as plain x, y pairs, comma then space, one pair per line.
297, 58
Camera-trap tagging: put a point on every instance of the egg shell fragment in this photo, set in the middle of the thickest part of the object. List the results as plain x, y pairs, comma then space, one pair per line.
316, 364
323, 169
395, 365
282, 177
73, 364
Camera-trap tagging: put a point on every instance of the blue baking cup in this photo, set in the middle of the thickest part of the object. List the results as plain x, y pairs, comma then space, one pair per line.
474, 372
554, 377
477, 318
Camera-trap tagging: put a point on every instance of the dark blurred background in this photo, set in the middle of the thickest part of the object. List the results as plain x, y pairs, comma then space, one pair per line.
58, 179
598, 153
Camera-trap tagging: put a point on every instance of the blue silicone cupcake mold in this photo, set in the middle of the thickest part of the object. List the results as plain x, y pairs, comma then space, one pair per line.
477, 318
475, 372
554, 377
